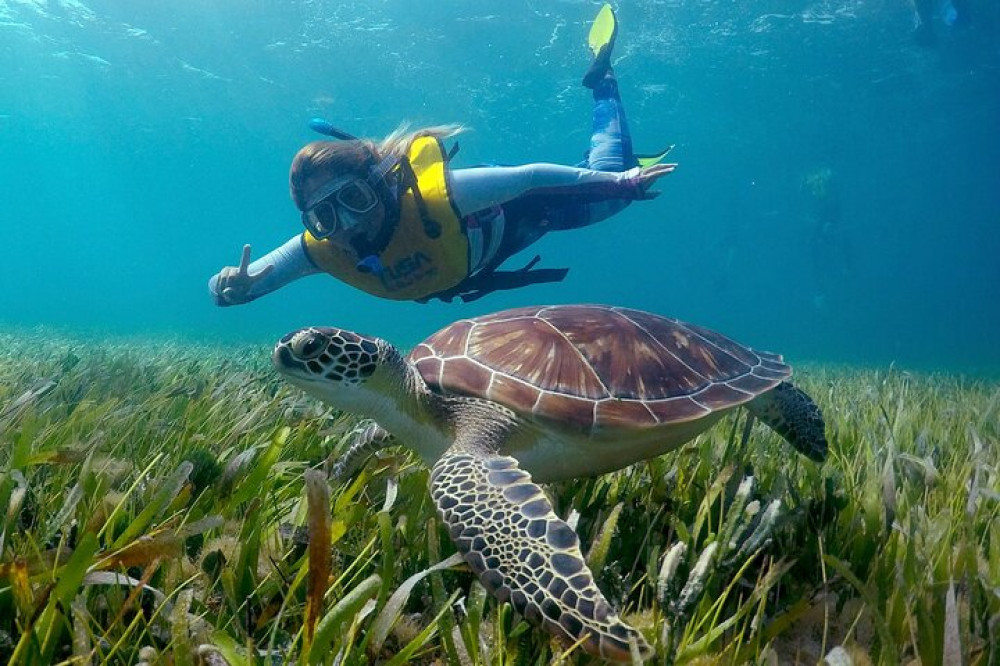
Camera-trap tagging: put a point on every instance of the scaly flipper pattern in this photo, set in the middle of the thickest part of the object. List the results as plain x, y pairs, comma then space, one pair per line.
793, 415
523, 553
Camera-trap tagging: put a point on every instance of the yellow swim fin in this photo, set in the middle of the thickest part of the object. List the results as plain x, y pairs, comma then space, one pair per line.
654, 158
603, 29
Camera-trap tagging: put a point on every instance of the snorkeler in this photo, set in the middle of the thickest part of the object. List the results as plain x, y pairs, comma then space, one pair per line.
395, 220
950, 13
832, 257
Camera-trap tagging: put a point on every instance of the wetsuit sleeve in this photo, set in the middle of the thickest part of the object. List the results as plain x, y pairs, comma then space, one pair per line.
481, 187
290, 263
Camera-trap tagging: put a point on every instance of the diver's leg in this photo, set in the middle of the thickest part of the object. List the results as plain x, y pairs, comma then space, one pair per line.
610, 147
610, 150
610, 141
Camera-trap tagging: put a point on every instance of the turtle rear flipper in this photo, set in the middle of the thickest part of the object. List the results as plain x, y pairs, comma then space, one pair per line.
523, 553
793, 415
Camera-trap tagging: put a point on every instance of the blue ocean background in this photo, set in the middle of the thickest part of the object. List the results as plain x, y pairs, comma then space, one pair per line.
142, 144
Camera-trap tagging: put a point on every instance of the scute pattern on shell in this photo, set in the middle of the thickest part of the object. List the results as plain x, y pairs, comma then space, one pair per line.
595, 366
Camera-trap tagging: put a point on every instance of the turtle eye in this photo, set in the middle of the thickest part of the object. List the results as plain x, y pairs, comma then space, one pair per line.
308, 346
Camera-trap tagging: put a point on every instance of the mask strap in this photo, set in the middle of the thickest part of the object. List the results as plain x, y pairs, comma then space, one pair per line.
383, 168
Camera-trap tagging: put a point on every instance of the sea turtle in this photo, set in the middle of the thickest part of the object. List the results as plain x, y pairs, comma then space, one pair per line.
498, 403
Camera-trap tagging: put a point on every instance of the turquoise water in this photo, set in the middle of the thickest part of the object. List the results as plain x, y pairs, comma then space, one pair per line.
141, 144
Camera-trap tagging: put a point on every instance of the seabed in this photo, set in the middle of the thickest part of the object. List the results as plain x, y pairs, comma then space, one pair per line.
167, 503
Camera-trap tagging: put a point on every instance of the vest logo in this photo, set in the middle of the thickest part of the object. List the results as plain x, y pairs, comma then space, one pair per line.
407, 270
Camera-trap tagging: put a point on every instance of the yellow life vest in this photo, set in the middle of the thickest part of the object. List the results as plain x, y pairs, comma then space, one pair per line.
415, 265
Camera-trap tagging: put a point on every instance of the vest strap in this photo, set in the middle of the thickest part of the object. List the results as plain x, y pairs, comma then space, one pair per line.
487, 281
431, 227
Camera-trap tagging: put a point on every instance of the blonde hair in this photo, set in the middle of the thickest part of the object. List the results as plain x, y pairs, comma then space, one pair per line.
324, 159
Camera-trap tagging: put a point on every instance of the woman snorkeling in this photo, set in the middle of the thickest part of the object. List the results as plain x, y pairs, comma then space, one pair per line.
395, 220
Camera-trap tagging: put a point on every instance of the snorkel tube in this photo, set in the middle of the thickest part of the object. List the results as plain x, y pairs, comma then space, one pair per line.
325, 128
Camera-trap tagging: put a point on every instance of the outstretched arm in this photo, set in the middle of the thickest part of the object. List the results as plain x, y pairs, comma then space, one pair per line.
481, 187
235, 285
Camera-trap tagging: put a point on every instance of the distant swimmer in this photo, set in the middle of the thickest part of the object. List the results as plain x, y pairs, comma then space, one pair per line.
832, 258
931, 13
394, 219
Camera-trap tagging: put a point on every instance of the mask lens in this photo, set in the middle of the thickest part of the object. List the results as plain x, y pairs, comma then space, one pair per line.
339, 206
321, 220
357, 197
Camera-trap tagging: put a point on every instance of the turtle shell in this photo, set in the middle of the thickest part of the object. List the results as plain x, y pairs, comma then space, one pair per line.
595, 367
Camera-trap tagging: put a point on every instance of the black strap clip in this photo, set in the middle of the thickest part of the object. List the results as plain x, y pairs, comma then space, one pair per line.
486, 282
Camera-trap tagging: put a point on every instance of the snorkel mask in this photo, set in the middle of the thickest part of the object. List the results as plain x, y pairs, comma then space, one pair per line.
348, 201
344, 203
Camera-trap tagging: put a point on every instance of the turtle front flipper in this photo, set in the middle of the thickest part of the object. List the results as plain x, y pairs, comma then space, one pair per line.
368, 438
791, 413
523, 553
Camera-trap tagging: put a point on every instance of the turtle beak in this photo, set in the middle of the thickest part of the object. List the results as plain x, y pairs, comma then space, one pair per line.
281, 357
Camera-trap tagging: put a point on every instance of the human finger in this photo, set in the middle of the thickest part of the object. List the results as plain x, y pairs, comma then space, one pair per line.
262, 272
658, 170
651, 175
245, 260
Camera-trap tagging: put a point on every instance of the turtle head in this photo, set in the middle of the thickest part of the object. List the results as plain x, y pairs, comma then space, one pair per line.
343, 369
